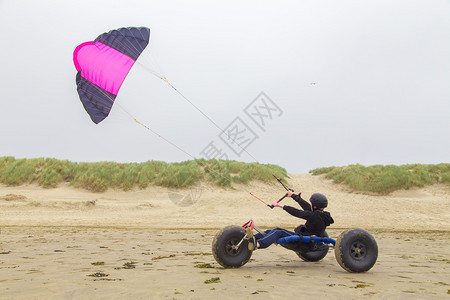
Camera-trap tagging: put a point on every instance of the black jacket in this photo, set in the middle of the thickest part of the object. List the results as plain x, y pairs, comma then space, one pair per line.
316, 221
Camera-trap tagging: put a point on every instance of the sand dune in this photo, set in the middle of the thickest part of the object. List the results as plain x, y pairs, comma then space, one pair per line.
212, 207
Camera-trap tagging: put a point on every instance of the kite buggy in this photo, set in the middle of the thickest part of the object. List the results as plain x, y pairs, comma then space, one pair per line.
356, 249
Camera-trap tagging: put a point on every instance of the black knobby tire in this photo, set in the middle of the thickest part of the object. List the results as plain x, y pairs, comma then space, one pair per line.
356, 250
313, 251
224, 251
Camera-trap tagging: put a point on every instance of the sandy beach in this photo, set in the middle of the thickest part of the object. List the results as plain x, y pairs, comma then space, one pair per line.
66, 243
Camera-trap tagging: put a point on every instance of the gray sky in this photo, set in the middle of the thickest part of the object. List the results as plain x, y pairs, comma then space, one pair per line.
350, 81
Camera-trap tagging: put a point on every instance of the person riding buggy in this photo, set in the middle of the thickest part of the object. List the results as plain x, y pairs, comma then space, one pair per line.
316, 221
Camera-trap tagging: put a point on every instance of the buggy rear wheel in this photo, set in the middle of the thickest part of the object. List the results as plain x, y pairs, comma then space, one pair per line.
313, 251
313, 254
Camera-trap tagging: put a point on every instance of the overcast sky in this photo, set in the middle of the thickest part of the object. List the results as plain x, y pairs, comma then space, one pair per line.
344, 82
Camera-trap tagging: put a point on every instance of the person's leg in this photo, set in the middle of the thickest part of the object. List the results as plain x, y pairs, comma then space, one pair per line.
272, 237
260, 236
253, 239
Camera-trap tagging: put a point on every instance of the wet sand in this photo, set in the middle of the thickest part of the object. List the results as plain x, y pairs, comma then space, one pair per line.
88, 263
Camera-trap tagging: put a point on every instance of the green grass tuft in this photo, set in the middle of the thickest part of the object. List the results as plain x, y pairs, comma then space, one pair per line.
385, 179
100, 176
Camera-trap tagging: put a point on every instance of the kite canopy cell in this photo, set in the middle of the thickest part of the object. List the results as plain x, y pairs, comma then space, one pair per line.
102, 66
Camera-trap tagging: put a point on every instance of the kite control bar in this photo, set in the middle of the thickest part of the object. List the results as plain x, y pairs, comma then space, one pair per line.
285, 187
272, 206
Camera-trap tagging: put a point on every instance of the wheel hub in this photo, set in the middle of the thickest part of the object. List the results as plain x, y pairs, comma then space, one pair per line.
358, 250
231, 247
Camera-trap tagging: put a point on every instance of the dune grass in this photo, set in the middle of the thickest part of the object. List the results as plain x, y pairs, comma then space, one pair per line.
99, 176
383, 179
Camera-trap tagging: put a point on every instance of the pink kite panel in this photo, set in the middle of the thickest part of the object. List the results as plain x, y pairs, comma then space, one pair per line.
102, 65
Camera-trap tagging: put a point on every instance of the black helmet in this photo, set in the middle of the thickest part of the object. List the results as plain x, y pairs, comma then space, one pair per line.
318, 200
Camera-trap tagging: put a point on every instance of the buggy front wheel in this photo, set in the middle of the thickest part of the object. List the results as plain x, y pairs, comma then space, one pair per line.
225, 247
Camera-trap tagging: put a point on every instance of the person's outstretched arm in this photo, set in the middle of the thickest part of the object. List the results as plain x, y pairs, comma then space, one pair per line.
297, 197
